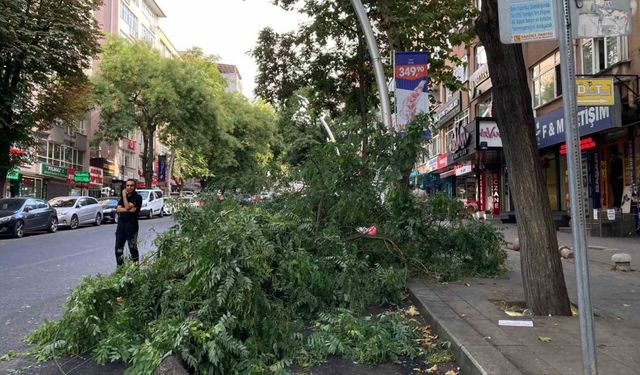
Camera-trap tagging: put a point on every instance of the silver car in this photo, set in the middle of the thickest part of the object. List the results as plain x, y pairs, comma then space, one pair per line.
75, 211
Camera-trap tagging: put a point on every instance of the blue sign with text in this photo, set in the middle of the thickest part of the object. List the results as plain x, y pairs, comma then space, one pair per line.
592, 119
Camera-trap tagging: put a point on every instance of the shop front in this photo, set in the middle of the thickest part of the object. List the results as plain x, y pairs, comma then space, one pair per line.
55, 182
608, 166
462, 155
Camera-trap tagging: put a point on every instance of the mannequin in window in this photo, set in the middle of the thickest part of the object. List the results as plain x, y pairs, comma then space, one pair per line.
615, 178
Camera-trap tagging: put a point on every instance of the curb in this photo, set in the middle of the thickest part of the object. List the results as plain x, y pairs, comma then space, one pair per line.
473, 354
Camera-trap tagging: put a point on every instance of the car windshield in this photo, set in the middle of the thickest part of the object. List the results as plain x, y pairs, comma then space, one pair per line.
62, 202
144, 194
11, 204
108, 202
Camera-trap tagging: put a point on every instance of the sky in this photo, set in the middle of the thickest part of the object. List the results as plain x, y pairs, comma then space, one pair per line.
226, 28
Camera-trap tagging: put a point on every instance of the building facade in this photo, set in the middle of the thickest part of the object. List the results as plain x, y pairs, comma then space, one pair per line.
466, 156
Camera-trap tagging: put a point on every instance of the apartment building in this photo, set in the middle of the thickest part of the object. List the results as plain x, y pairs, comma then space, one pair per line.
467, 159
232, 76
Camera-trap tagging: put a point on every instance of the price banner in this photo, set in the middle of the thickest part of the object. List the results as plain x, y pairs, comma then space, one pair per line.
411, 75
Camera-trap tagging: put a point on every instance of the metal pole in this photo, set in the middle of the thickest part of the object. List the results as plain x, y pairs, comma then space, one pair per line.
381, 82
575, 188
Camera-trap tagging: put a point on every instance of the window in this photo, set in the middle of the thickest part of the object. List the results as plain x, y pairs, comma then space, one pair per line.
481, 57
41, 204
148, 36
460, 71
461, 119
60, 155
129, 18
547, 84
483, 108
601, 53
129, 159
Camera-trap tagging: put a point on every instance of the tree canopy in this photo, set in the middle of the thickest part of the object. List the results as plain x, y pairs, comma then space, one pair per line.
172, 99
44, 47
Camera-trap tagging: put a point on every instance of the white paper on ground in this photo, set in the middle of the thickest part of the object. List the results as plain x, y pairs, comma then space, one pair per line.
516, 323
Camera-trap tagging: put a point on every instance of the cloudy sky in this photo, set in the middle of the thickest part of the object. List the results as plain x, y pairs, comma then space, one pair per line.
226, 28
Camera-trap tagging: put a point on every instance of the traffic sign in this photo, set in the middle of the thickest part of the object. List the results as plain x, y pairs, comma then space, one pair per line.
595, 91
81, 177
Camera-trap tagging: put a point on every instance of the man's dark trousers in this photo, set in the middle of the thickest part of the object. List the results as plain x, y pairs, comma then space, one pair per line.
127, 231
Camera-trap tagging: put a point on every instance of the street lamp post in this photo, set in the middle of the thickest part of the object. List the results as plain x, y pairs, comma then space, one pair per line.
381, 82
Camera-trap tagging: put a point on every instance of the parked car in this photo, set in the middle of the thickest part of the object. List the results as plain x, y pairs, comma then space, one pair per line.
21, 215
75, 211
152, 203
109, 205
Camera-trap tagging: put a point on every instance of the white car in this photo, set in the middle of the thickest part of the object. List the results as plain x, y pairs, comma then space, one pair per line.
152, 203
76, 211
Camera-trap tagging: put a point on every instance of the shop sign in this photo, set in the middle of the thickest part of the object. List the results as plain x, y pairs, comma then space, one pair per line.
131, 145
488, 132
482, 189
463, 169
477, 81
448, 110
432, 164
141, 185
550, 127
53, 171
442, 161
495, 192
96, 175
585, 144
595, 91
422, 168
70, 173
82, 177
109, 168
460, 139
13, 174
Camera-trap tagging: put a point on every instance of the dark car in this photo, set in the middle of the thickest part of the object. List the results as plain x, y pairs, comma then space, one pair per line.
109, 205
21, 215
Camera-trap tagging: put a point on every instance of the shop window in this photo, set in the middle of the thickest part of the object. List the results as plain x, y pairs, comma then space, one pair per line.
462, 118
550, 173
601, 53
546, 79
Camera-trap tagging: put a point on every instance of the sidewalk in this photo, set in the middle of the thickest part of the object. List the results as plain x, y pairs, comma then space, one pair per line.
463, 313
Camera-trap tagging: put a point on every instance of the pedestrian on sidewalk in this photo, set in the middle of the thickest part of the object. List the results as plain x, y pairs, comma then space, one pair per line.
127, 229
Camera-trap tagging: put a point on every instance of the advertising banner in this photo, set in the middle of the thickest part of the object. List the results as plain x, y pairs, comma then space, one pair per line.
162, 168
96, 175
411, 70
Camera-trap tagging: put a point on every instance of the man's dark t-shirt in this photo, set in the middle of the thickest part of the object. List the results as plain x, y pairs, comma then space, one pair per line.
131, 217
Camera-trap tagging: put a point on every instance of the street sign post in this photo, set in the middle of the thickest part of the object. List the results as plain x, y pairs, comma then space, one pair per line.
574, 165
526, 21
594, 91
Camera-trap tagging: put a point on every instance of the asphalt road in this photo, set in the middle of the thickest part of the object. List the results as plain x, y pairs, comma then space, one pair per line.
38, 272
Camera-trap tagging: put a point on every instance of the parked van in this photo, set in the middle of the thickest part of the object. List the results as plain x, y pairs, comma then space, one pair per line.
152, 203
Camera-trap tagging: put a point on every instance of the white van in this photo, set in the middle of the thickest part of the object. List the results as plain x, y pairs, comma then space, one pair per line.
152, 203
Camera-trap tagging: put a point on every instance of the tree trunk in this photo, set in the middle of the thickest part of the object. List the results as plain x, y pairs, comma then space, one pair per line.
544, 287
147, 157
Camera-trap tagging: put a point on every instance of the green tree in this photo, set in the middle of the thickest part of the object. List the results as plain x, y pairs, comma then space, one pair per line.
543, 278
44, 47
137, 88
242, 158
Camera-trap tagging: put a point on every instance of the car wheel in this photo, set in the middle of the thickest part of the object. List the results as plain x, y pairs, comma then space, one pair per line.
74, 222
53, 225
98, 219
18, 229
150, 216
161, 214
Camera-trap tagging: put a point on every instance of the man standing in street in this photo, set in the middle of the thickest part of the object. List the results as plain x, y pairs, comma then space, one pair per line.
127, 230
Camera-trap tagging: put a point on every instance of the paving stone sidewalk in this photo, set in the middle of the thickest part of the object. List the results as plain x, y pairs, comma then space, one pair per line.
463, 313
